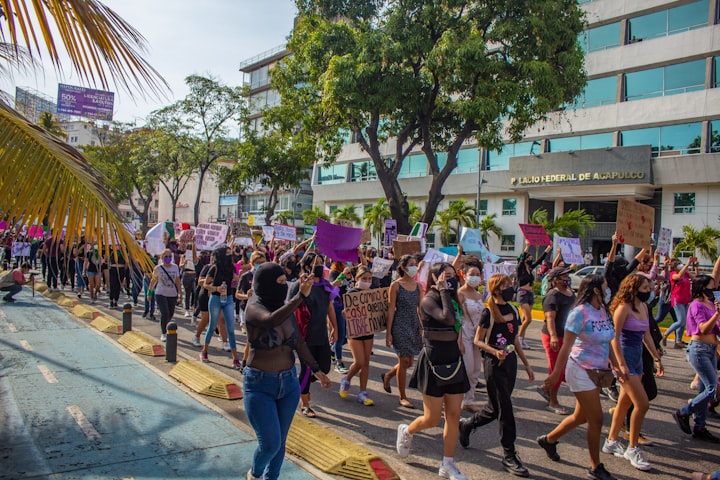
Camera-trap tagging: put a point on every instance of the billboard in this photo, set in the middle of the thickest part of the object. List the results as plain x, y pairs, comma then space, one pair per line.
85, 102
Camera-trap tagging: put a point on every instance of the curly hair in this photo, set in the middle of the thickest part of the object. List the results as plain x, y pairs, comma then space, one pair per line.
628, 291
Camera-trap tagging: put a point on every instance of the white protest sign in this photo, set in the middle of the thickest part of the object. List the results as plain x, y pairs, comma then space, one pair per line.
243, 241
268, 231
664, 243
209, 236
285, 232
471, 241
490, 269
381, 267
431, 257
571, 250
20, 249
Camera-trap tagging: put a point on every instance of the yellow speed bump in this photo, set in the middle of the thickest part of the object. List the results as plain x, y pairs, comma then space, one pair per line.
83, 311
65, 301
40, 287
334, 454
206, 381
107, 324
138, 342
53, 295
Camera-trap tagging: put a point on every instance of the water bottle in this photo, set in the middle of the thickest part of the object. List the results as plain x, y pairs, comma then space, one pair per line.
223, 293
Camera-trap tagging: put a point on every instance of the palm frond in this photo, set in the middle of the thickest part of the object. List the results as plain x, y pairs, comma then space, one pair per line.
46, 179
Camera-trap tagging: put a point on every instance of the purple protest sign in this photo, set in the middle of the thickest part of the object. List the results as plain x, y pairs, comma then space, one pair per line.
85, 102
390, 232
338, 242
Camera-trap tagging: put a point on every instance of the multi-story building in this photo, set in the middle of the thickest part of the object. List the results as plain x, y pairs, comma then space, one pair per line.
646, 128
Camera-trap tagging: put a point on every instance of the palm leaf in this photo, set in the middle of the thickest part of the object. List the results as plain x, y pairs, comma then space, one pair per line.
46, 179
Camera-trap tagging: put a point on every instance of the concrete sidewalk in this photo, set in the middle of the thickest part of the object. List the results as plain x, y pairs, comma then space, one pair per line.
75, 404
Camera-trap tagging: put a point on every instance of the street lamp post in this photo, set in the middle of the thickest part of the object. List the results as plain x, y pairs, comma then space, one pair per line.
481, 180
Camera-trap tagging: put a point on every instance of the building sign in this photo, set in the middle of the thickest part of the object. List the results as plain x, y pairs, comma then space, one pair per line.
85, 102
618, 165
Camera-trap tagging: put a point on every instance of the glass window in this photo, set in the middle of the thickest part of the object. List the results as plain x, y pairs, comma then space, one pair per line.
600, 91
363, 172
228, 200
333, 208
716, 72
483, 206
644, 84
601, 38
259, 77
668, 22
500, 160
415, 165
468, 160
684, 203
509, 206
685, 77
332, 174
507, 243
715, 136
671, 140
564, 144
597, 140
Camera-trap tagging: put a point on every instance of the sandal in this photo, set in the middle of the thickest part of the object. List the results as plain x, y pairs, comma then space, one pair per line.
541, 391
404, 402
309, 412
559, 410
386, 387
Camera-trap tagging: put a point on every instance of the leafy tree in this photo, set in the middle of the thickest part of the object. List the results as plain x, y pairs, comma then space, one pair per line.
49, 123
132, 173
487, 226
569, 224
99, 45
414, 213
346, 213
285, 217
311, 216
429, 73
703, 241
201, 123
374, 218
459, 214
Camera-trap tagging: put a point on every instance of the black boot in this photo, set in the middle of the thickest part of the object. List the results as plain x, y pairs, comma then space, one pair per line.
512, 464
466, 428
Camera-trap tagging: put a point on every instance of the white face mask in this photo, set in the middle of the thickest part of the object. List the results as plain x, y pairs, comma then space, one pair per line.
364, 285
412, 271
473, 280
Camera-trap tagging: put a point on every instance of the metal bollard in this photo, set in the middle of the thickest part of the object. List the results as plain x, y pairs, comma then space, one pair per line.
171, 343
127, 317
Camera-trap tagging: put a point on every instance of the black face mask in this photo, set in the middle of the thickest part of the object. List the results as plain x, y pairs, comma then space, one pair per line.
709, 293
270, 293
507, 293
319, 271
643, 296
452, 284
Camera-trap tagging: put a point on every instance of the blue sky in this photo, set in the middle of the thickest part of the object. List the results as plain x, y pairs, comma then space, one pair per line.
184, 37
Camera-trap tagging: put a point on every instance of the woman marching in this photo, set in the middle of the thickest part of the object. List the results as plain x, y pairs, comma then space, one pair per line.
588, 332
525, 295
631, 318
473, 305
497, 338
270, 381
440, 375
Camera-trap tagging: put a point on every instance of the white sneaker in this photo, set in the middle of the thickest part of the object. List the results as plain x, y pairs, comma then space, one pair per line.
613, 447
163, 338
226, 346
196, 342
404, 441
524, 344
637, 459
187, 313
451, 471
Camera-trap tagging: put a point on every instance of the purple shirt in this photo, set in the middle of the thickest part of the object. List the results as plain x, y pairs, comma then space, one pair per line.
699, 313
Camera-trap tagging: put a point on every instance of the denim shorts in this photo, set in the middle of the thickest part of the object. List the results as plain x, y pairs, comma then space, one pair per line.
525, 296
633, 358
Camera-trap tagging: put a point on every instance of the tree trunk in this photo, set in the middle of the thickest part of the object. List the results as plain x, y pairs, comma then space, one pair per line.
272, 205
196, 212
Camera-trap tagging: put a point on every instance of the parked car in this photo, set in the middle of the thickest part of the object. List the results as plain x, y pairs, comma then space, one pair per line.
576, 278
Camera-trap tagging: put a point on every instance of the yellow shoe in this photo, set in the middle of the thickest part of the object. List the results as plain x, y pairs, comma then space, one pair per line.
642, 439
365, 399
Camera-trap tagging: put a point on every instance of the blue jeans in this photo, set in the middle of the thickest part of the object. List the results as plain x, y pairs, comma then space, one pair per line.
701, 356
715, 475
680, 320
663, 310
263, 390
337, 347
12, 291
228, 310
149, 302
79, 280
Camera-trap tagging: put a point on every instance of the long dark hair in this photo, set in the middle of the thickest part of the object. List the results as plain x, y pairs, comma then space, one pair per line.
223, 263
403, 264
435, 271
699, 284
587, 288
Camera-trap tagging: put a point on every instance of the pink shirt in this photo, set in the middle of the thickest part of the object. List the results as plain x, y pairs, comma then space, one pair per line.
18, 276
699, 313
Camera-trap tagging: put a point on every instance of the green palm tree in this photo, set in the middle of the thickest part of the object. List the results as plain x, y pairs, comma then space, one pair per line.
346, 213
459, 214
702, 241
285, 217
99, 45
49, 123
311, 216
414, 213
487, 226
374, 218
572, 223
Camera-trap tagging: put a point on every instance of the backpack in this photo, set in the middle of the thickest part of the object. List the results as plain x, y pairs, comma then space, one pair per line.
302, 316
6, 279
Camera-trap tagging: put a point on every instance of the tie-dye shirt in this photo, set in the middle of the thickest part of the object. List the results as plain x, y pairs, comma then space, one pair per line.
594, 330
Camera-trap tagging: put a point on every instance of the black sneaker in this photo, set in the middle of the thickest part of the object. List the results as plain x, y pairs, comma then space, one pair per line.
611, 392
682, 420
599, 473
550, 448
702, 433
9, 300
512, 464
466, 428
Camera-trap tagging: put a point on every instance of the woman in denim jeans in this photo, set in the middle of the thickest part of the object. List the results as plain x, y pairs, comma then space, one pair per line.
270, 377
680, 298
702, 326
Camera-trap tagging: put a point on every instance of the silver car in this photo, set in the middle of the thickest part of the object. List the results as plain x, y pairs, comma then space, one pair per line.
576, 278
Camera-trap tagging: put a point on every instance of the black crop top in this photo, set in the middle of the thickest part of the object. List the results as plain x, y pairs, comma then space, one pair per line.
437, 312
525, 275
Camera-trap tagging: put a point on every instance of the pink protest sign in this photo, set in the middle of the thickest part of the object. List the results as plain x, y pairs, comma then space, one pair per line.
535, 234
35, 231
338, 242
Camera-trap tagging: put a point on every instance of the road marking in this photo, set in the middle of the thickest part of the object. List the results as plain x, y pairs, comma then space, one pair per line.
49, 376
2, 314
26, 345
12, 328
82, 421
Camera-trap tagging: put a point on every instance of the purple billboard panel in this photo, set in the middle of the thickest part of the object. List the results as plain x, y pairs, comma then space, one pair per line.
85, 102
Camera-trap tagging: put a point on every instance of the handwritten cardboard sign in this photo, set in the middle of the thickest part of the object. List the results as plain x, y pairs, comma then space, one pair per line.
268, 232
407, 247
366, 236
664, 243
209, 236
490, 269
285, 232
365, 312
535, 234
381, 267
571, 250
635, 223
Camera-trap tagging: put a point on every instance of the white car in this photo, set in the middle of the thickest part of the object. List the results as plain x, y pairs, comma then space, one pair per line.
576, 278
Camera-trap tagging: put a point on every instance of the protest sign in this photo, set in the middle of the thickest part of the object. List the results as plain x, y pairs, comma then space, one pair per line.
490, 269
365, 312
338, 242
35, 231
408, 247
450, 251
419, 230
284, 232
20, 249
156, 238
366, 236
390, 232
209, 236
243, 241
664, 243
381, 267
268, 232
471, 241
571, 250
431, 257
535, 234
635, 223
187, 237
344, 222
